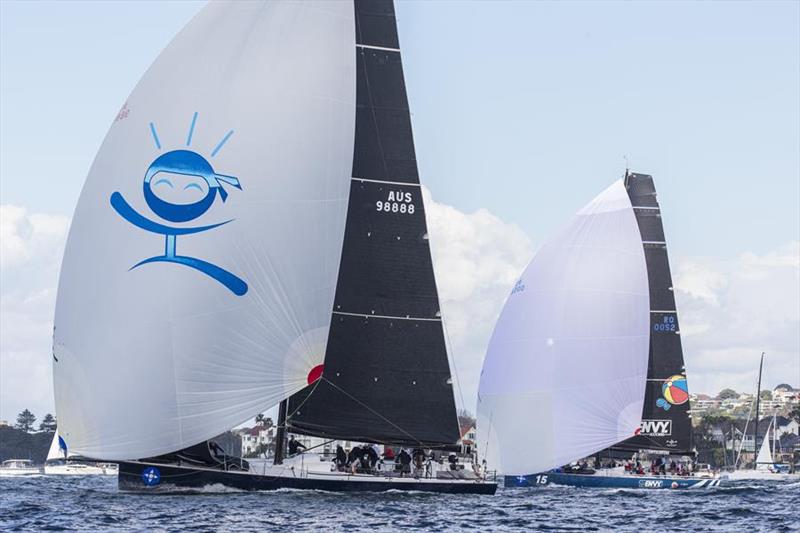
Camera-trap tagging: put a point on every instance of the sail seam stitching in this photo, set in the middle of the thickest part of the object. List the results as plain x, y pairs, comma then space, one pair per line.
387, 182
373, 47
365, 315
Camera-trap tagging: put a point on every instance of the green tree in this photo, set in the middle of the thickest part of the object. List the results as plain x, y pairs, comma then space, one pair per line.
25, 421
726, 394
766, 394
48, 423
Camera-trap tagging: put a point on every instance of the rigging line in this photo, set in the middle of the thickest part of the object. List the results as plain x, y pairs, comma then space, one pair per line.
374, 117
744, 433
289, 415
452, 356
371, 409
488, 432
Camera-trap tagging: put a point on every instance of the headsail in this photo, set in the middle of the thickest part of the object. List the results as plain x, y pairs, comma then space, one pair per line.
386, 376
564, 374
201, 265
764, 459
58, 448
666, 422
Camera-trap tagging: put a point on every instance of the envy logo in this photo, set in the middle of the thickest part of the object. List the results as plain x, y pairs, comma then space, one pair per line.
656, 428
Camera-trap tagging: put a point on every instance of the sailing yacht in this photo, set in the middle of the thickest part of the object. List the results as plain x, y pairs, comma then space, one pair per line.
764, 466
586, 358
58, 462
252, 233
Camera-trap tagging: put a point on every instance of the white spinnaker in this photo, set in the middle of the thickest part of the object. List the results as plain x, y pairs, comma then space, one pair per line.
159, 357
566, 367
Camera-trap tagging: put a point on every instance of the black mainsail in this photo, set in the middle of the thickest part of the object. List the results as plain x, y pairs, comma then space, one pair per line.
386, 375
666, 419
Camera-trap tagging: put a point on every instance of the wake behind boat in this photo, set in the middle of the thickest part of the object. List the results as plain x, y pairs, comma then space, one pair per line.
309, 283
594, 319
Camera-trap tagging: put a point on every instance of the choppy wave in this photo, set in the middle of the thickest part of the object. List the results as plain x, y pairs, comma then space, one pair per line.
93, 503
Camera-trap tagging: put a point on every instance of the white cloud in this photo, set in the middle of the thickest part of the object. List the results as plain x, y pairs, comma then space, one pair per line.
477, 258
31, 246
732, 310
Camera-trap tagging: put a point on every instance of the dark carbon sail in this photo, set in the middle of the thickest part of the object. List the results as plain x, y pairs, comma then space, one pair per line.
666, 422
386, 375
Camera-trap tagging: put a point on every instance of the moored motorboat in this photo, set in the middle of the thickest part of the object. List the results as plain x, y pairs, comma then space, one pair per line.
18, 467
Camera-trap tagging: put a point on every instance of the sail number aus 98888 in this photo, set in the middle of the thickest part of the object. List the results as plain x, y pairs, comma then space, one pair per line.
396, 202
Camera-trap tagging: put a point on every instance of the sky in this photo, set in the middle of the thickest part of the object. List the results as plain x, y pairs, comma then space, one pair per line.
522, 113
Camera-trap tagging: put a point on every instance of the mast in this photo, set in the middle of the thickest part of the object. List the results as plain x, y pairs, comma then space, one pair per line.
386, 375
758, 405
280, 434
666, 423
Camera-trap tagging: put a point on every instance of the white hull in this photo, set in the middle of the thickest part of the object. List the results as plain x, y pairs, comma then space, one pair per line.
760, 475
19, 472
78, 469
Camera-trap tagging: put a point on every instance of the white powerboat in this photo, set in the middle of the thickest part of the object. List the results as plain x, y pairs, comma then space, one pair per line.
18, 467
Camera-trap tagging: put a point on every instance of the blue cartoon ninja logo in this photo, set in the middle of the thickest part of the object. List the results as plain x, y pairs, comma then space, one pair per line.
180, 186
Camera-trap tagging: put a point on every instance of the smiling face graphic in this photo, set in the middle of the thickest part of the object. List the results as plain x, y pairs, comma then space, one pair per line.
180, 186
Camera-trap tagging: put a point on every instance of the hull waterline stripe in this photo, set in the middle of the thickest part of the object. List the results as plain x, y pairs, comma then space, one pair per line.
383, 48
649, 208
385, 316
654, 242
387, 182
654, 311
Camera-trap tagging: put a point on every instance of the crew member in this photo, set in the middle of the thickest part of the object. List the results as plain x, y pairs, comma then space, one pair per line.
294, 446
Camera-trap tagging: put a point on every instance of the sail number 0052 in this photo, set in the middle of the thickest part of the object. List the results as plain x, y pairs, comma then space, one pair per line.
396, 202
667, 324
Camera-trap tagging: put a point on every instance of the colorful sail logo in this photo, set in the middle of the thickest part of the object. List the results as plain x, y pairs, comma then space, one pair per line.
180, 186
675, 391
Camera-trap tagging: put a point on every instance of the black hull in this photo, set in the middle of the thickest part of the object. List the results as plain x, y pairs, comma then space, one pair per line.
133, 477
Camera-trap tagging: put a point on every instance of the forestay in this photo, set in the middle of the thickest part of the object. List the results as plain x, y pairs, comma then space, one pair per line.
564, 374
200, 270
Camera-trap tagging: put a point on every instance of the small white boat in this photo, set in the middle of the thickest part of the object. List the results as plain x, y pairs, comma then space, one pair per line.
760, 475
18, 467
766, 469
72, 468
58, 463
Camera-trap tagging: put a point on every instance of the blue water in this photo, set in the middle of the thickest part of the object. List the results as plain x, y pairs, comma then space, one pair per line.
93, 503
